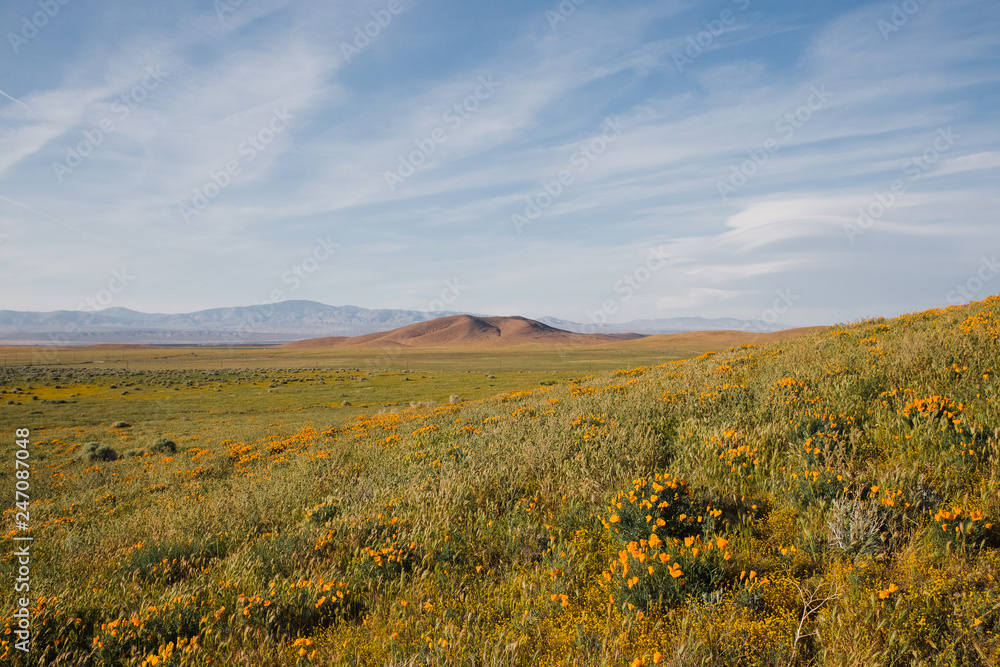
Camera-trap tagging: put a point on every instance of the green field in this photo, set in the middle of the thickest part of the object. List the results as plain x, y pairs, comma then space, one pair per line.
828, 499
175, 391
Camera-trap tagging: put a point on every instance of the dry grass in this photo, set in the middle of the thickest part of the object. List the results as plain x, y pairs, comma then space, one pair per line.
825, 500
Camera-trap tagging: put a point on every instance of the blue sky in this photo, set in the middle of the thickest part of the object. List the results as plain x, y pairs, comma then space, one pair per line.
595, 161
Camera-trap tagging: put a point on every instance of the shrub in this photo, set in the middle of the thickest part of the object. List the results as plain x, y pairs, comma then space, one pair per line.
174, 561
856, 528
376, 549
301, 608
657, 572
663, 502
94, 451
665, 559
962, 527
163, 446
325, 511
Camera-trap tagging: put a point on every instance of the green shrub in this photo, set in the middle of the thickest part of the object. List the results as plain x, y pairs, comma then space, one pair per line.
665, 559
163, 446
662, 501
174, 561
95, 451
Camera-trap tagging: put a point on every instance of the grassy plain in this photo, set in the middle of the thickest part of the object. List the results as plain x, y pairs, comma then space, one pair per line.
175, 391
827, 499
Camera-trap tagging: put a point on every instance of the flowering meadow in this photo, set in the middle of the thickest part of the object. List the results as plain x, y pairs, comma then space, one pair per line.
831, 499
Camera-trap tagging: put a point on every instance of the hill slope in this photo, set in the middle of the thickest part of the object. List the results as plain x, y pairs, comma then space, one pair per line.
465, 331
828, 500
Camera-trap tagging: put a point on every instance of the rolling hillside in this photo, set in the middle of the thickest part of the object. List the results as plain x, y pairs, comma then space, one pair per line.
832, 499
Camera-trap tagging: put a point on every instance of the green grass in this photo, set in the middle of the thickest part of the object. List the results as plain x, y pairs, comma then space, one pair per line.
824, 500
524, 358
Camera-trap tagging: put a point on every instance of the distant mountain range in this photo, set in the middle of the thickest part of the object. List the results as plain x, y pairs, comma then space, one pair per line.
281, 322
665, 326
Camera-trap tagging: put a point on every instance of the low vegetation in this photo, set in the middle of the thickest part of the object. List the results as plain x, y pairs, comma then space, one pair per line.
826, 500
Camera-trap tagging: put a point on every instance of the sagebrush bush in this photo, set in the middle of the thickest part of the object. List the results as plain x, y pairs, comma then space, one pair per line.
95, 451
856, 528
163, 446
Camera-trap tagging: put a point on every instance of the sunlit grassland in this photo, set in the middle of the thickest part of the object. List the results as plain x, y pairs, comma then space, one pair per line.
828, 499
568, 358
181, 391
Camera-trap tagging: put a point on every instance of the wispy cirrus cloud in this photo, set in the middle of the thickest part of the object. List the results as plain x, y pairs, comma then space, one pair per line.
732, 164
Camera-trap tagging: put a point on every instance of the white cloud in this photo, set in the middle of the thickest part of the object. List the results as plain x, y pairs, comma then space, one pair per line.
656, 184
43, 116
975, 162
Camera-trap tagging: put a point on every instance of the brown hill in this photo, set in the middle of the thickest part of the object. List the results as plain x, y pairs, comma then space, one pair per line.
465, 331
